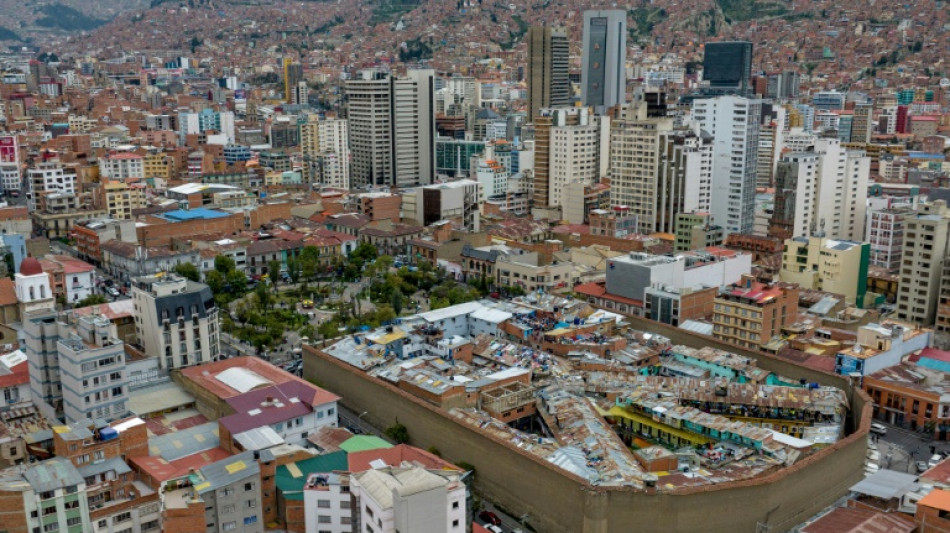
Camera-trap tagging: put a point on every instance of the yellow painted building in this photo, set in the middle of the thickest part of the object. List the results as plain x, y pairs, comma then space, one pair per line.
828, 265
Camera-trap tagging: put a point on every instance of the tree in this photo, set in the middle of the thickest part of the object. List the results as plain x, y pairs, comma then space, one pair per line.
309, 262
237, 280
215, 281
397, 300
264, 298
293, 268
398, 433
188, 271
92, 299
273, 272
223, 264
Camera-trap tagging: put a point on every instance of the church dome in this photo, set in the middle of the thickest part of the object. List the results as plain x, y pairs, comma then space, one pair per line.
31, 267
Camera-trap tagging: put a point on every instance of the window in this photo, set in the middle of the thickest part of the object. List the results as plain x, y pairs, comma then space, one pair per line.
251, 504
248, 486
455, 505
323, 519
227, 509
103, 523
229, 526
122, 517
250, 520
455, 523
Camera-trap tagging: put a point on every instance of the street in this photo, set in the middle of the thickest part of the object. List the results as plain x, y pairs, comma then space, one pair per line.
901, 448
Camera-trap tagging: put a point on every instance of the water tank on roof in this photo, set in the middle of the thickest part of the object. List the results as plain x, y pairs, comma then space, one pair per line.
108, 434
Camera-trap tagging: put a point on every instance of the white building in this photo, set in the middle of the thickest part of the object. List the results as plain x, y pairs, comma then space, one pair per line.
492, 176
92, 371
49, 178
327, 503
630, 275
393, 499
122, 166
455, 200
176, 320
10, 177
577, 153
334, 142
733, 122
414, 128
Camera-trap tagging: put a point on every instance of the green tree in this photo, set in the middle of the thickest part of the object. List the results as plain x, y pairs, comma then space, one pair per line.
329, 329
273, 272
188, 271
263, 297
293, 268
398, 433
309, 262
215, 281
237, 280
92, 299
397, 301
223, 264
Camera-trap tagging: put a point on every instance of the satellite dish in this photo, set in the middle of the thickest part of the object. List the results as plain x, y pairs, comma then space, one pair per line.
945, 82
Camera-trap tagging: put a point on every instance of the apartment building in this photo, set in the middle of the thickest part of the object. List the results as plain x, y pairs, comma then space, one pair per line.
749, 314
880, 346
733, 123
391, 122
885, 233
92, 370
121, 166
926, 235
176, 320
547, 71
828, 265
120, 198
48, 178
634, 163
409, 498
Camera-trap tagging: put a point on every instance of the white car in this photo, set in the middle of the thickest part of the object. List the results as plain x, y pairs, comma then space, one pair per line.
874, 455
935, 460
878, 429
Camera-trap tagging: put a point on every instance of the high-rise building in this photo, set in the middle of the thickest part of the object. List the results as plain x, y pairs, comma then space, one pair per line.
727, 66
634, 162
885, 233
544, 123
684, 181
414, 128
733, 123
577, 153
324, 145
603, 71
392, 128
822, 190
293, 75
926, 237
549, 83
862, 123
176, 320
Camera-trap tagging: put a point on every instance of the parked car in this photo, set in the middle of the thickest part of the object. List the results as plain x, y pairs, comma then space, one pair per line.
489, 517
922, 467
935, 460
878, 429
874, 455
113, 292
494, 529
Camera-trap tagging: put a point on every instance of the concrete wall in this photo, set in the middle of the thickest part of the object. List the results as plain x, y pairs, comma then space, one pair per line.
560, 502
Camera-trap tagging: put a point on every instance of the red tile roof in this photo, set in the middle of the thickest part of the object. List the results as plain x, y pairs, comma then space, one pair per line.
162, 470
19, 375
274, 404
7, 292
360, 461
598, 289
852, 520
204, 375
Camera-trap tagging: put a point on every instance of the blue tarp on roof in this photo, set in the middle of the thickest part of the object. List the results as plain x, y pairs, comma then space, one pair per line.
181, 215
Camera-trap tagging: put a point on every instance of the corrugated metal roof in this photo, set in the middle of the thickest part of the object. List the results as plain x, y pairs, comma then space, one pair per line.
886, 484
228, 471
